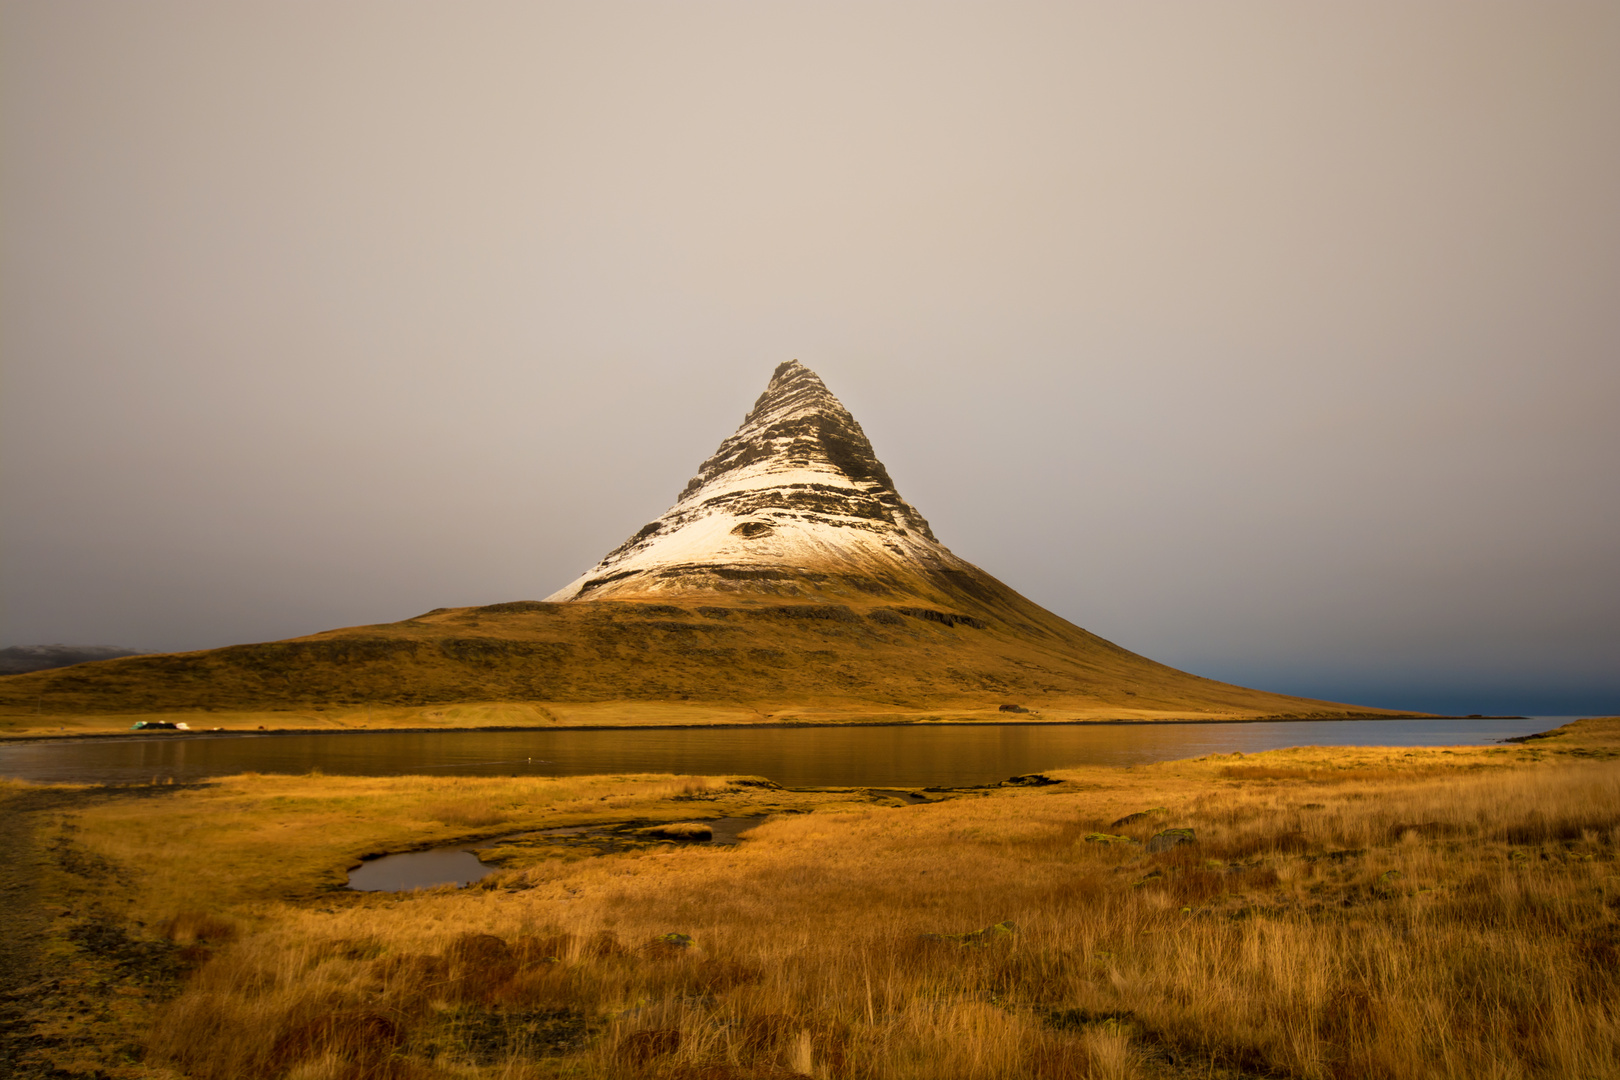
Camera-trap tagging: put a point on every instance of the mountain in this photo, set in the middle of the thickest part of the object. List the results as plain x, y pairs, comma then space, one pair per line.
790, 579
795, 502
18, 659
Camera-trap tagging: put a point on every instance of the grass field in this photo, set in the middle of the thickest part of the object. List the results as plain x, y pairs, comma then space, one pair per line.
443, 717
1336, 913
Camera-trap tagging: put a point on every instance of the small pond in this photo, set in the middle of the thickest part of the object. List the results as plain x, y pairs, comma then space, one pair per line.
459, 864
418, 870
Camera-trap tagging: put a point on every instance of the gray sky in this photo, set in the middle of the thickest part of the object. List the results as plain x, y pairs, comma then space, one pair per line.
1280, 342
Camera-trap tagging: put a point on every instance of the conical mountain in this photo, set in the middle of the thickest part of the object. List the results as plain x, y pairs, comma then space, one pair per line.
794, 502
790, 581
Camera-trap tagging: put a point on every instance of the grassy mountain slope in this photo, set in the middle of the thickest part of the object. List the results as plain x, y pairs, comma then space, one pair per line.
965, 646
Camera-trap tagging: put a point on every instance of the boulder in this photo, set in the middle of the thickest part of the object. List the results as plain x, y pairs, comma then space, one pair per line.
1170, 838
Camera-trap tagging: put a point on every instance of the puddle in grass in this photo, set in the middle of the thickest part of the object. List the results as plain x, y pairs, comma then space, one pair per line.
459, 866
418, 870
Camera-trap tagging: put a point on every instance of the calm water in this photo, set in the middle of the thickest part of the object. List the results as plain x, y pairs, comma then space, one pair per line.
418, 870
459, 864
794, 757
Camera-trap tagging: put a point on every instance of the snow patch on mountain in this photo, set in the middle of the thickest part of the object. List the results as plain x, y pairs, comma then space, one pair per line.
797, 489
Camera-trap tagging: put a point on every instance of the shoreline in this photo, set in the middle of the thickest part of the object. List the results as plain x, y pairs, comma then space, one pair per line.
283, 732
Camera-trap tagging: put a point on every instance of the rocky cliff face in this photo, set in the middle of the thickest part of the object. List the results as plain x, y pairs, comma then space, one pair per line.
795, 501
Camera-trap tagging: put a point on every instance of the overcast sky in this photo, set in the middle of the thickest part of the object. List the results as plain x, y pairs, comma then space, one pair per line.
1280, 342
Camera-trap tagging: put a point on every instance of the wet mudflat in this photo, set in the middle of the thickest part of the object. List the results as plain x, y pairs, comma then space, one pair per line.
886, 756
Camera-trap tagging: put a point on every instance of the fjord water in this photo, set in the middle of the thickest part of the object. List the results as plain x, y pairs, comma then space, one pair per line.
895, 756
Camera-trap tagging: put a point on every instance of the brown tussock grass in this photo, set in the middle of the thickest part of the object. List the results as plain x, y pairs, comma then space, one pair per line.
1366, 913
190, 927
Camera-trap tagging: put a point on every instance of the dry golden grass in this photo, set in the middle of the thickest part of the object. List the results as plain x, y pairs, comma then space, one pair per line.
1358, 913
25, 723
248, 838
1586, 738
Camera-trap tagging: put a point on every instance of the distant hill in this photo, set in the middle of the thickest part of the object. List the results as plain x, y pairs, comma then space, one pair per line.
789, 575
20, 659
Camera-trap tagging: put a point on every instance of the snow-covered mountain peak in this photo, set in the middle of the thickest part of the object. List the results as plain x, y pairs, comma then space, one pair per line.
797, 440
796, 493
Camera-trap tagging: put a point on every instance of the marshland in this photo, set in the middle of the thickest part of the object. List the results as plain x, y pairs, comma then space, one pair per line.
1344, 912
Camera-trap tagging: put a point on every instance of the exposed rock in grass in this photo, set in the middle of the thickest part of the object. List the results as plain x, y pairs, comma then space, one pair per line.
1140, 815
1029, 780
1000, 931
1170, 838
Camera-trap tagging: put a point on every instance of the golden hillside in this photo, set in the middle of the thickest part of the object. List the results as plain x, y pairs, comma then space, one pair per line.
864, 658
